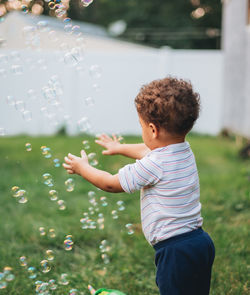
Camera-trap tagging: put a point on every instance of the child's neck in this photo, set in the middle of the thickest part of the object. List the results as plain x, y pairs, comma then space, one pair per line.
167, 139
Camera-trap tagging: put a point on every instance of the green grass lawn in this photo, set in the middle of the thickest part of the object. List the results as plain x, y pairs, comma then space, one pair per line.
225, 197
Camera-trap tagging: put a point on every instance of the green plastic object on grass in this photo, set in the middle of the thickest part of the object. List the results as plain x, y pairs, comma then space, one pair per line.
104, 291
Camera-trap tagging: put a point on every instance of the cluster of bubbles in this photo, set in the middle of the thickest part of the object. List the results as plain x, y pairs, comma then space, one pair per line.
6, 276
68, 243
104, 249
19, 194
51, 232
46, 152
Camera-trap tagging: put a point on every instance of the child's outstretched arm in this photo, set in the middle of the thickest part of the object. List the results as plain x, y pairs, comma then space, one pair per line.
114, 147
102, 179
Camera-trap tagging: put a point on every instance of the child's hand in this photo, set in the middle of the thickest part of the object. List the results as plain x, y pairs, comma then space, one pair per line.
112, 145
74, 164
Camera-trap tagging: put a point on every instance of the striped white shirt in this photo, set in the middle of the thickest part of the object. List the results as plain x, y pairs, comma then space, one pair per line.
170, 191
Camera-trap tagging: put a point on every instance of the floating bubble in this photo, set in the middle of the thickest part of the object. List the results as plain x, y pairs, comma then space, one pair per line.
70, 184
56, 162
28, 147
129, 228
95, 71
104, 246
84, 222
53, 36
17, 69
53, 195
76, 30
68, 28
27, 115
86, 3
52, 284
23, 261
50, 255
100, 221
70, 59
64, 279
46, 151
20, 106
42, 231
96, 87
89, 101
3, 284
86, 145
91, 211
47, 179
42, 288
43, 26
114, 214
24, 9
45, 267
68, 243
51, 5
14, 191
10, 100
73, 292
22, 195
32, 272
91, 195
8, 276
104, 201
61, 204
105, 258
121, 206
2, 131
84, 124
92, 159
52, 233
31, 94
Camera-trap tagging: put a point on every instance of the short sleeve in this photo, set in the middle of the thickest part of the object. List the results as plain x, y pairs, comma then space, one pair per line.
144, 172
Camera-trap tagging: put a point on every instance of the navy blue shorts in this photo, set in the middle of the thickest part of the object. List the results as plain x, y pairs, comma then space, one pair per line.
184, 264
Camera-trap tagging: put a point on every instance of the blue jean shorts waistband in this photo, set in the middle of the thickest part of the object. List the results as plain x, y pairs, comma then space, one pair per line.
180, 237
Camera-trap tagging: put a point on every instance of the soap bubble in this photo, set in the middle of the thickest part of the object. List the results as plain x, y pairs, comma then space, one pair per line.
105, 258
7, 274
56, 162
45, 267
53, 195
49, 255
129, 228
89, 101
100, 221
70, 184
27, 115
32, 272
92, 159
23, 261
42, 231
28, 147
95, 71
52, 233
17, 69
2, 131
43, 26
68, 243
76, 30
84, 124
104, 201
20, 106
42, 288
52, 284
46, 152
86, 3
104, 246
47, 179
22, 196
86, 145
63, 279
73, 292
114, 214
14, 191
61, 204
70, 59
3, 284
10, 100
121, 206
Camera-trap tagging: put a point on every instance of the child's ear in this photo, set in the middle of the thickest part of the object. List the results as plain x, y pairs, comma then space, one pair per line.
154, 130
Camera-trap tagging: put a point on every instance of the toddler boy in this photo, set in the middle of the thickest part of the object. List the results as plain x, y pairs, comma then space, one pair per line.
166, 174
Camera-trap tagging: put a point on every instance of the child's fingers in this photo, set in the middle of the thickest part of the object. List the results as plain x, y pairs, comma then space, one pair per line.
66, 166
67, 160
100, 142
70, 171
115, 137
83, 153
105, 137
70, 156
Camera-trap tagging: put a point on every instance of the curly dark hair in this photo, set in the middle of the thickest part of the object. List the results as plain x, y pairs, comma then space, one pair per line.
169, 103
